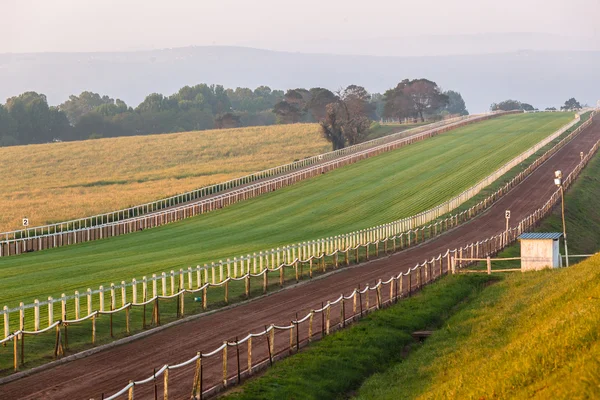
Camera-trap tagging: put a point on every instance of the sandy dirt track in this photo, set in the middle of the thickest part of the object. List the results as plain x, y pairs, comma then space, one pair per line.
108, 371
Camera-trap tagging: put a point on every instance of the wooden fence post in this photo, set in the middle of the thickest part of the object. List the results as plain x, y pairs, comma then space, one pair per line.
36, 317
166, 384
310, 325
250, 356
327, 319
50, 311
489, 265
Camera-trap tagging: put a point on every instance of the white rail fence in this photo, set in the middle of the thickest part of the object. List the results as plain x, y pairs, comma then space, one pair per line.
166, 285
334, 314
186, 197
84, 230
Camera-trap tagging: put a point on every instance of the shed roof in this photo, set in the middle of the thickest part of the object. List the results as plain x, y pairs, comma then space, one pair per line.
541, 235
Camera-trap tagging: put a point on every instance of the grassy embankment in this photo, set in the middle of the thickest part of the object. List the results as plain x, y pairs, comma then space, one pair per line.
61, 181
424, 175
531, 335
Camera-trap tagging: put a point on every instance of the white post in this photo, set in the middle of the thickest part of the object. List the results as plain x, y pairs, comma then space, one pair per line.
172, 282
6, 325
89, 301
134, 290
101, 297
77, 304
123, 293
36, 310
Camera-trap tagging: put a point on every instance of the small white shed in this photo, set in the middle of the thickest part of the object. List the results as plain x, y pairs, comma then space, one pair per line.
540, 250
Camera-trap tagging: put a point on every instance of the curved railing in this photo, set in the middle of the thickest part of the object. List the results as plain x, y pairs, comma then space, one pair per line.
411, 230
186, 197
84, 230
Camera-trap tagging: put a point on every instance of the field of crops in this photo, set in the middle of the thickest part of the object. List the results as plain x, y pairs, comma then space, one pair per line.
373, 191
60, 181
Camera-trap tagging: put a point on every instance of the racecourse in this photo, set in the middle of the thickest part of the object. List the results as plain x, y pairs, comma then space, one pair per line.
390, 186
111, 369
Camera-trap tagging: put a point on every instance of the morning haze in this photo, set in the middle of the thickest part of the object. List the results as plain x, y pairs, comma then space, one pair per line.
538, 51
308, 26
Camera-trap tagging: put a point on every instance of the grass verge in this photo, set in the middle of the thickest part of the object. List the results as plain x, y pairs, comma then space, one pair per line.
338, 363
533, 335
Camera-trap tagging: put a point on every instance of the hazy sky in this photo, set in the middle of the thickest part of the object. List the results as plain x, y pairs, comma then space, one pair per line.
111, 25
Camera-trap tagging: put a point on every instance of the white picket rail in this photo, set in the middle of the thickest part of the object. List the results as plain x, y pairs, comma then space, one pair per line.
142, 209
217, 273
83, 232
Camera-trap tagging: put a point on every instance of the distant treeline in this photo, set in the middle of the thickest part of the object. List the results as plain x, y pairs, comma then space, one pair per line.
28, 118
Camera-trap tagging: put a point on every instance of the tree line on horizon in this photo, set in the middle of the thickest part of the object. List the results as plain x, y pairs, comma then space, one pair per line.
344, 115
512, 105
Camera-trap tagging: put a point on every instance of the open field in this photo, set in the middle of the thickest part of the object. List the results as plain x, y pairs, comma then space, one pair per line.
60, 181
109, 370
394, 185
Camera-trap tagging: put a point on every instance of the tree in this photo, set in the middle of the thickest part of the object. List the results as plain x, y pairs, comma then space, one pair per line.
571, 104
511, 105
287, 113
319, 99
415, 98
378, 105
77, 106
456, 104
227, 121
397, 104
156, 102
550, 108
527, 107
332, 125
426, 97
8, 128
347, 120
35, 121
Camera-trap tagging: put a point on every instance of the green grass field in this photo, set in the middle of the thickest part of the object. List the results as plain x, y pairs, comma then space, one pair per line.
374, 191
333, 367
531, 335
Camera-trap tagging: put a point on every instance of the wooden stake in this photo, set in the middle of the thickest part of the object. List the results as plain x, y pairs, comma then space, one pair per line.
166, 385
225, 365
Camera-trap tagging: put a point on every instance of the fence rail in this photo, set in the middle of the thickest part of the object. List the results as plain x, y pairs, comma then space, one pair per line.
400, 285
405, 233
83, 230
131, 212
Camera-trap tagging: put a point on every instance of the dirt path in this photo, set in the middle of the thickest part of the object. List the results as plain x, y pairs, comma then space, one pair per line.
110, 370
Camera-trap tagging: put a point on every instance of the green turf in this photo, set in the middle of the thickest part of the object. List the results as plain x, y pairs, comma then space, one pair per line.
534, 335
378, 130
531, 336
373, 191
338, 364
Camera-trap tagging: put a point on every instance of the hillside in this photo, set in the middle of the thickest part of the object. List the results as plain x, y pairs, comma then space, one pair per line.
62, 181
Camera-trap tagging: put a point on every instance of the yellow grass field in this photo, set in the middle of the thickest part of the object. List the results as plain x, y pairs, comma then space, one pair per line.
60, 181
